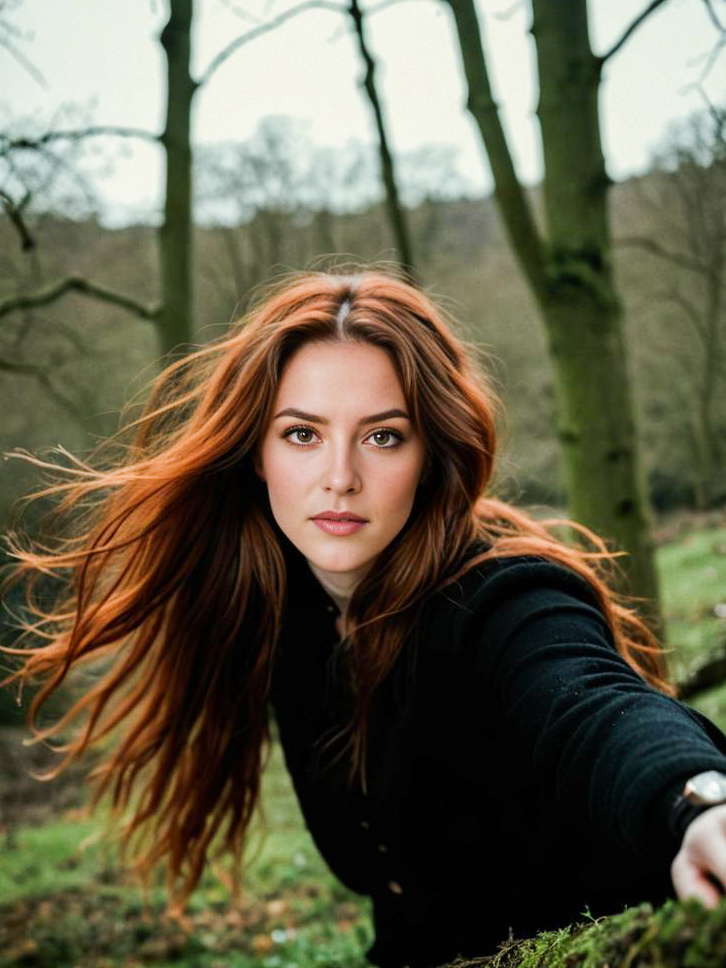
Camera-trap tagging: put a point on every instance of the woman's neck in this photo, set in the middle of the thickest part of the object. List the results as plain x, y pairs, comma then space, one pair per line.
340, 586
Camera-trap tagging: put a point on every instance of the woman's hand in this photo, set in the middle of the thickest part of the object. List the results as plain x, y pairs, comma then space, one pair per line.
699, 868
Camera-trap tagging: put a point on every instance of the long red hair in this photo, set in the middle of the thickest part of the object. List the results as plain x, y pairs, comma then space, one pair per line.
175, 576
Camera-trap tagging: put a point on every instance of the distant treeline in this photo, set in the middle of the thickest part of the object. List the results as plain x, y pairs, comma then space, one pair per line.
93, 356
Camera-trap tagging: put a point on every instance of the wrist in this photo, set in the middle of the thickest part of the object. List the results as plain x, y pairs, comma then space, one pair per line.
698, 794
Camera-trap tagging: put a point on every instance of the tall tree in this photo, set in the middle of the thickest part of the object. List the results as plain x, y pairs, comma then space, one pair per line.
176, 234
569, 271
396, 212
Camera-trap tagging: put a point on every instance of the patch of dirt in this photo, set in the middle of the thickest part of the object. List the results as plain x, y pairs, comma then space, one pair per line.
671, 527
27, 801
105, 930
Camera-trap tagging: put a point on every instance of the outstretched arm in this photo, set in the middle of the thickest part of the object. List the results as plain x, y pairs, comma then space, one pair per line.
613, 751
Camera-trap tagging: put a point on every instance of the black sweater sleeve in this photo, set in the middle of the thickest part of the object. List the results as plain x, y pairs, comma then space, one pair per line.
609, 747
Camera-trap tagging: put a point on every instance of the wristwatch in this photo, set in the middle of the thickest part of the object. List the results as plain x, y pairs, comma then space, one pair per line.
702, 791
706, 789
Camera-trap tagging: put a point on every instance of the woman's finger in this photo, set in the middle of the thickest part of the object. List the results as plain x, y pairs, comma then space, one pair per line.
689, 880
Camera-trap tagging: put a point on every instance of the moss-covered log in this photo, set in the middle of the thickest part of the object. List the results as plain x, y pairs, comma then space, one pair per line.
677, 935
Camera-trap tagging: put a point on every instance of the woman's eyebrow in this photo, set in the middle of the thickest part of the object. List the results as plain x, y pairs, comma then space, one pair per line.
312, 418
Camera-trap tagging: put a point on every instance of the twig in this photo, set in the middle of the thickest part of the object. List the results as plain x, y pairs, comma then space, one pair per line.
713, 16
84, 287
510, 11
43, 377
239, 12
74, 134
655, 248
383, 5
23, 60
57, 328
653, 5
250, 35
15, 214
689, 310
710, 61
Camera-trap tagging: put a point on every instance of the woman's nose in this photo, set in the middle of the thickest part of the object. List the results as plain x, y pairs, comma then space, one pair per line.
340, 473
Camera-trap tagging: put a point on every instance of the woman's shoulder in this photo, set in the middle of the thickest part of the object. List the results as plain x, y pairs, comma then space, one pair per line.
505, 587
484, 574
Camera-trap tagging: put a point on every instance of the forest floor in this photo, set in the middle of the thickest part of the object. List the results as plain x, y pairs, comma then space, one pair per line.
66, 902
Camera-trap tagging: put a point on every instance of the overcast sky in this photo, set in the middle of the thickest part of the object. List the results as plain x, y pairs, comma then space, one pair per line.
104, 55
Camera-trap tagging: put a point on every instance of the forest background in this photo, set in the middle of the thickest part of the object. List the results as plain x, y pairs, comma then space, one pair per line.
99, 276
276, 200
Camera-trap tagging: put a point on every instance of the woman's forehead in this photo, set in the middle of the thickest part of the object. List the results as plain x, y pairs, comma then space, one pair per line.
345, 368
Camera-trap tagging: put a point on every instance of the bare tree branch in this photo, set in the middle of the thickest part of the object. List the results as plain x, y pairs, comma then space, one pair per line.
77, 284
513, 203
689, 310
9, 33
8, 144
717, 115
708, 67
43, 377
239, 12
655, 248
383, 5
23, 61
713, 16
510, 11
396, 214
57, 328
15, 214
643, 15
245, 38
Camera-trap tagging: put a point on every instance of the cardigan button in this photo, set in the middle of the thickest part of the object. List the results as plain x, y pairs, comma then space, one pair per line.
394, 887
382, 848
365, 825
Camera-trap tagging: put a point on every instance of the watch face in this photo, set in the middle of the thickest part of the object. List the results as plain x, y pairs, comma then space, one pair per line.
706, 788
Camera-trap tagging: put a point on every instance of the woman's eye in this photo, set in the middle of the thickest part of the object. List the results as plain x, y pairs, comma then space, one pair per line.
386, 439
305, 435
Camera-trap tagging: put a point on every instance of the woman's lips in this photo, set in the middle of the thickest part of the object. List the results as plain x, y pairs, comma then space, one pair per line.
338, 527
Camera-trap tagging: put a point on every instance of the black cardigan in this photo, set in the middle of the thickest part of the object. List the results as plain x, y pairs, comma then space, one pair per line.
519, 770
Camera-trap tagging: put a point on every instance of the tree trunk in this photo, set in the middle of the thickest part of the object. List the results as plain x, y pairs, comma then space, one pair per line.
708, 433
175, 237
396, 213
582, 309
596, 429
514, 208
570, 275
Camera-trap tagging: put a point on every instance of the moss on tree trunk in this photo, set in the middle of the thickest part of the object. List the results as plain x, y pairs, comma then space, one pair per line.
568, 265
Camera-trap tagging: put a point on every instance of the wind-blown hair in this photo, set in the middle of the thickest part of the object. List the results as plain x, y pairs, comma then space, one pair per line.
175, 570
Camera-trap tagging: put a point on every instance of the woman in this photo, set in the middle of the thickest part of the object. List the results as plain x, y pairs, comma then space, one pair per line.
474, 722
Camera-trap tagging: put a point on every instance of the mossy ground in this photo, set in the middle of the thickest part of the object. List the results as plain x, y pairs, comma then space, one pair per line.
676, 935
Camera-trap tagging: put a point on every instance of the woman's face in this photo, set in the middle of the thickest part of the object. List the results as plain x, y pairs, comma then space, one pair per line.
340, 441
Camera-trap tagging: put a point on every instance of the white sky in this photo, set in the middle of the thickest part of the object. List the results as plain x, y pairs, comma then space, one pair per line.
105, 54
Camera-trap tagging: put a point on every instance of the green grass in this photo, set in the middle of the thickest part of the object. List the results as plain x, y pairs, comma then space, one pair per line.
64, 906
693, 581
